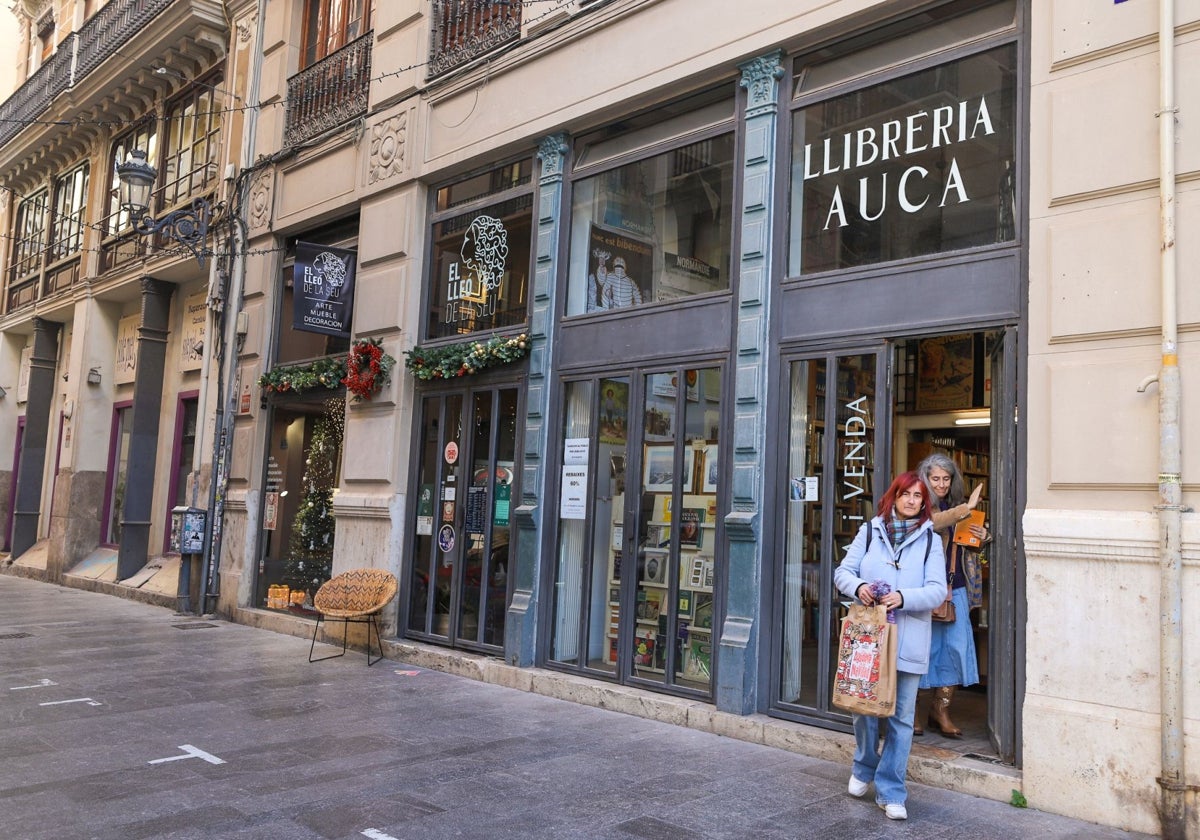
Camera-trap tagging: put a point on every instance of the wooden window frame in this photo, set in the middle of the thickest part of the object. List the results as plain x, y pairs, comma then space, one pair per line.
329, 25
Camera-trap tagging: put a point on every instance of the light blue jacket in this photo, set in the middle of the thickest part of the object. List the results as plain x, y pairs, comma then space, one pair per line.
920, 578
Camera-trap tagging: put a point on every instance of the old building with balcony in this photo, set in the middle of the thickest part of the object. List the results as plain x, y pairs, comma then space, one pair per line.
669, 292
104, 325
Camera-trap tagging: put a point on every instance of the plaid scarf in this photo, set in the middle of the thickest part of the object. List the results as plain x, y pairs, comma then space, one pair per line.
899, 529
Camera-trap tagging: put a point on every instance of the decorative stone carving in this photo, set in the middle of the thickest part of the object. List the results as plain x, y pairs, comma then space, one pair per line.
552, 151
386, 155
260, 199
34, 9
758, 78
244, 30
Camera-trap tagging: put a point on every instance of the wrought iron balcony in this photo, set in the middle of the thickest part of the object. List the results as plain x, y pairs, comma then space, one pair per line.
82, 52
329, 93
464, 29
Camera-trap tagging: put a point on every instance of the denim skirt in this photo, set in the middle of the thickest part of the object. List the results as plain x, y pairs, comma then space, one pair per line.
952, 659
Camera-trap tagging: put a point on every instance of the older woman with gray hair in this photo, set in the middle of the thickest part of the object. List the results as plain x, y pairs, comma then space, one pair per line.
952, 659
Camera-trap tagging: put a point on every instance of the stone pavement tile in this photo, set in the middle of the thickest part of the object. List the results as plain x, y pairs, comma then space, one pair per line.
330, 820
196, 822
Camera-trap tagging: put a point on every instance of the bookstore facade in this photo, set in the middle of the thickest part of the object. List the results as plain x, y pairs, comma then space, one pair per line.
899, 331
890, 330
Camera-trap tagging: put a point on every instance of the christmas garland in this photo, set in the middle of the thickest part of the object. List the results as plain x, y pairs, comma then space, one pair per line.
368, 369
364, 370
452, 360
296, 379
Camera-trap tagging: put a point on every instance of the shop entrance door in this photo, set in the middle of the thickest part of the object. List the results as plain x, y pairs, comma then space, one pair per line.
637, 581
858, 418
459, 582
836, 467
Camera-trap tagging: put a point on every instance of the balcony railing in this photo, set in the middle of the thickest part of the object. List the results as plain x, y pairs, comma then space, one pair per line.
77, 56
329, 93
464, 29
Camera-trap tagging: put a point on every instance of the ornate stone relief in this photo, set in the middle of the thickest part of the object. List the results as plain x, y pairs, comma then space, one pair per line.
386, 155
260, 199
758, 78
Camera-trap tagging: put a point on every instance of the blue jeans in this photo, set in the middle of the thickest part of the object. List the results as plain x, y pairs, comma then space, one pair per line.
887, 770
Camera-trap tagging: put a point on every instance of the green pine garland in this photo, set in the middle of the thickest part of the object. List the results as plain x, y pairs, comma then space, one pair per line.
325, 373
452, 360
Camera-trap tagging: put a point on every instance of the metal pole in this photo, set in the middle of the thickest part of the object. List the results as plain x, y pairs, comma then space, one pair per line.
211, 558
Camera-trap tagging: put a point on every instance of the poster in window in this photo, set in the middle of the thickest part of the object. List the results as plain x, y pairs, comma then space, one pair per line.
323, 289
946, 372
620, 268
614, 411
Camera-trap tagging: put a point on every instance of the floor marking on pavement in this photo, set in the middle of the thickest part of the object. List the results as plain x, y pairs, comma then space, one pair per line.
189, 752
408, 673
87, 700
42, 683
376, 834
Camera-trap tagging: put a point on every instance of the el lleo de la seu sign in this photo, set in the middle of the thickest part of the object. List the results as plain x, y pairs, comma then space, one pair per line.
323, 289
915, 186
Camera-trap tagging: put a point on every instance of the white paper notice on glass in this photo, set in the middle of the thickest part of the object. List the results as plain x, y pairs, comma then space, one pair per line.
575, 451
573, 497
803, 488
424, 526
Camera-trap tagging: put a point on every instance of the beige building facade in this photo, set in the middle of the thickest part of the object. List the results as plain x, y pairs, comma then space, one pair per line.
729, 268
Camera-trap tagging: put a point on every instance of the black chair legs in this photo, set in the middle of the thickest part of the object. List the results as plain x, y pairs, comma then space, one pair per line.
372, 622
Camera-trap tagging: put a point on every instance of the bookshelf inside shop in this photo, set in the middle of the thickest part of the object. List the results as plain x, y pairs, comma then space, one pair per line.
854, 454
693, 592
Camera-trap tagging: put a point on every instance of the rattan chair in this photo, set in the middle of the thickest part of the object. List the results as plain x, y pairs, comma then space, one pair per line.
354, 597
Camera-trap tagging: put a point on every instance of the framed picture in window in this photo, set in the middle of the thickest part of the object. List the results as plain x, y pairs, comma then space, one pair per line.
658, 471
655, 569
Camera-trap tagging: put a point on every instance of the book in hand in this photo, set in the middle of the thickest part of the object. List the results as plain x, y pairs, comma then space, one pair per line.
962, 530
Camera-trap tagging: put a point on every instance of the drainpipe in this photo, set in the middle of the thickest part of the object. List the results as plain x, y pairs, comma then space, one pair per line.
1173, 802
226, 400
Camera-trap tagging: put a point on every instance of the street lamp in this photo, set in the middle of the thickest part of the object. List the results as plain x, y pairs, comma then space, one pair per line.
188, 225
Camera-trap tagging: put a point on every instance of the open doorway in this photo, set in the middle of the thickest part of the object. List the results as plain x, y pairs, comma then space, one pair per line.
943, 407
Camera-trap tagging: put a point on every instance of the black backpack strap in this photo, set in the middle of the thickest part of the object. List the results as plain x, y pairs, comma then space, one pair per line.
867, 525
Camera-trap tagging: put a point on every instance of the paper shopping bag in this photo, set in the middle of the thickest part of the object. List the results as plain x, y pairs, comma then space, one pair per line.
865, 683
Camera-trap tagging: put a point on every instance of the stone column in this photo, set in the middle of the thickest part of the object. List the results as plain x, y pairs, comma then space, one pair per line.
520, 629
143, 436
737, 674
28, 502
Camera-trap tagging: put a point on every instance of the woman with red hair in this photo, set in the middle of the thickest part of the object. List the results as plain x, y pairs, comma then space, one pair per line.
896, 561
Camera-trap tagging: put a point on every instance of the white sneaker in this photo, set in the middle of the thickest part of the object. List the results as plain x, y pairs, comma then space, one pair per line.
894, 811
857, 788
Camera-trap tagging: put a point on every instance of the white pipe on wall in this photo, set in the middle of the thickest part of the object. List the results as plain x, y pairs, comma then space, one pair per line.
1173, 802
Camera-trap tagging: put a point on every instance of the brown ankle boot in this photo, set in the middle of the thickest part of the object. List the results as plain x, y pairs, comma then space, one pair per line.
922, 696
939, 715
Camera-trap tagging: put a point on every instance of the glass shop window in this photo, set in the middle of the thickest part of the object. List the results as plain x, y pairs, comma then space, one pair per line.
655, 229
482, 252
920, 164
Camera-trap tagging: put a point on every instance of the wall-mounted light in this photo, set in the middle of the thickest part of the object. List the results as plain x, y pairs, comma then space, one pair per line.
973, 421
188, 226
3, 392
94, 376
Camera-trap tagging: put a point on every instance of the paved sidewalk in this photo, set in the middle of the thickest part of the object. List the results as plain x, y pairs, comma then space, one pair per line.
122, 720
